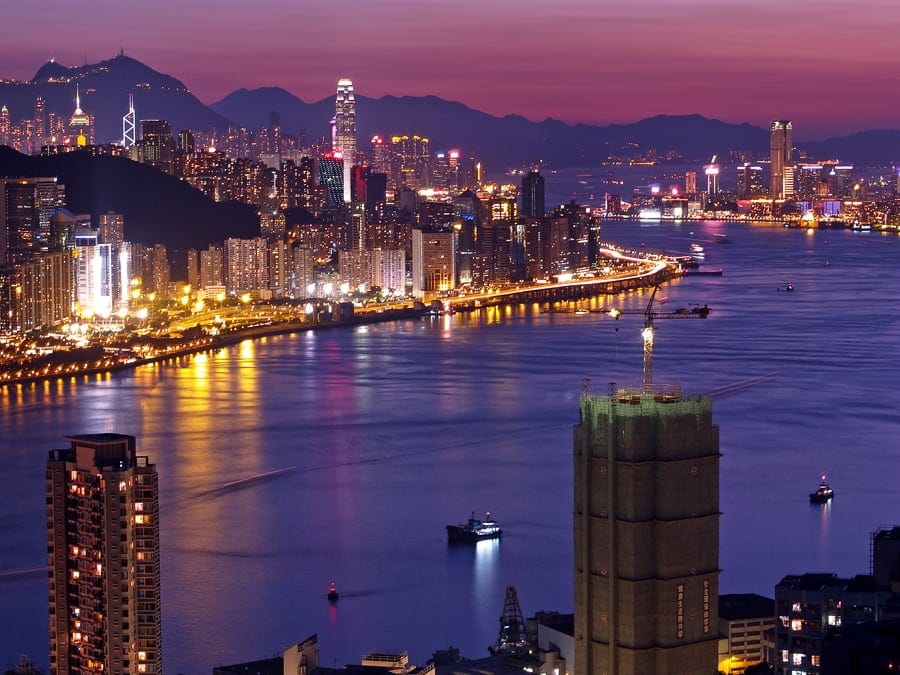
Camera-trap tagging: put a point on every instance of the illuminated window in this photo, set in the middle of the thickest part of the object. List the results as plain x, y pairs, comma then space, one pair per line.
785, 621
142, 656
815, 660
139, 506
797, 624
797, 607
784, 655
797, 659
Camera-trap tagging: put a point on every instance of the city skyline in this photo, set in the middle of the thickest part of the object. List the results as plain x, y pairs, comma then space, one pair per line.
581, 63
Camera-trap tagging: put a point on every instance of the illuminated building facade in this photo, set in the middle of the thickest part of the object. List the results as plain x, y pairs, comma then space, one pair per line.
331, 177
744, 620
345, 131
433, 261
387, 268
807, 606
411, 161
750, 181
81, 126
93, 278
246, 265
157, 145
781, 148
711, 171
646, 534
212, 267
103, 557
42, 292
27, 206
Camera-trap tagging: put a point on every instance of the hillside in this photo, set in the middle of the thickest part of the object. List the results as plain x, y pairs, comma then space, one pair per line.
158, 208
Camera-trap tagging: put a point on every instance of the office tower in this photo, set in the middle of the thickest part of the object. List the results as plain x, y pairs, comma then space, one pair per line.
40, 121
129, 137
103, 557
781, 149
94, 293
646, 534
345, 130
157, 145
749, 181
80, 124
533, 194
26, 208
411, 161
331, 176
303, 271
186, 142
381, 155
5, 126
433, 261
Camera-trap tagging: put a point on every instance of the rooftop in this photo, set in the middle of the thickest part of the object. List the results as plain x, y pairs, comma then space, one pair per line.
737, 606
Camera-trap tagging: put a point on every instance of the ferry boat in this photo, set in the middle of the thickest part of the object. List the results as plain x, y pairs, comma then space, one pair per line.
475, 529
823, 493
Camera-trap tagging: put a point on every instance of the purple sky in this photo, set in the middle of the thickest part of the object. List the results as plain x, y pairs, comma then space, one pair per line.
828, 65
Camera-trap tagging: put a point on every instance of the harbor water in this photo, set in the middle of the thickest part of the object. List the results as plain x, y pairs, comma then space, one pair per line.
291, 461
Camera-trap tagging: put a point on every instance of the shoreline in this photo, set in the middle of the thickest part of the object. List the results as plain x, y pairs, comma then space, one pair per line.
583, 289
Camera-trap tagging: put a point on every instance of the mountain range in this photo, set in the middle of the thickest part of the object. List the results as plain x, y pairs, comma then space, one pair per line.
500, 142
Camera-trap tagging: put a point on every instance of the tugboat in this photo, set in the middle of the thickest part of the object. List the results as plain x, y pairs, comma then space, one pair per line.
475, 529
823, 493
332, 592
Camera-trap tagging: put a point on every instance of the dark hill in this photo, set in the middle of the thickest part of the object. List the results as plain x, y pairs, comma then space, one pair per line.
158, 208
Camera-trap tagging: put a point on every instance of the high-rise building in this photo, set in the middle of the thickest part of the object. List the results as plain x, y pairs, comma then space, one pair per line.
81, 125
345, 129
246, 265
26, 208
157, 145
433, 261
103, 557
5, 126
533, 194
781, 155
750, 181
646, 534
331, 176
129, 137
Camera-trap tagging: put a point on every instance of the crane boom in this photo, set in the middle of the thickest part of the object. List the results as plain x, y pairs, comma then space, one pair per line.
650, 315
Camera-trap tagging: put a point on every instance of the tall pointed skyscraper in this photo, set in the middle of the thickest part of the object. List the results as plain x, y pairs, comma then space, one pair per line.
345, 129
646, 534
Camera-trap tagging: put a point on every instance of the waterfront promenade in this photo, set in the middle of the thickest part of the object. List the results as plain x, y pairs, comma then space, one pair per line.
207, 332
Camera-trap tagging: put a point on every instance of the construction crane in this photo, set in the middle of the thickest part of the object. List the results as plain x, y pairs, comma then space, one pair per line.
650, 315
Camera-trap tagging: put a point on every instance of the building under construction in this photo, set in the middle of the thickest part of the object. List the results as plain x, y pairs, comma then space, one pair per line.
646, 534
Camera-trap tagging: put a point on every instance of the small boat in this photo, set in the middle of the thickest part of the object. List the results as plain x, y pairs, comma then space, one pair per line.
332, 592
696, 248
823, 493
582, 312
789, 287
475, 529
721, 238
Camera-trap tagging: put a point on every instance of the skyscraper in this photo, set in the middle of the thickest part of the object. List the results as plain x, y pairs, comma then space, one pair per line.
781, 146
646, 534
345, 129
80, 123
533, 194
103, 557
